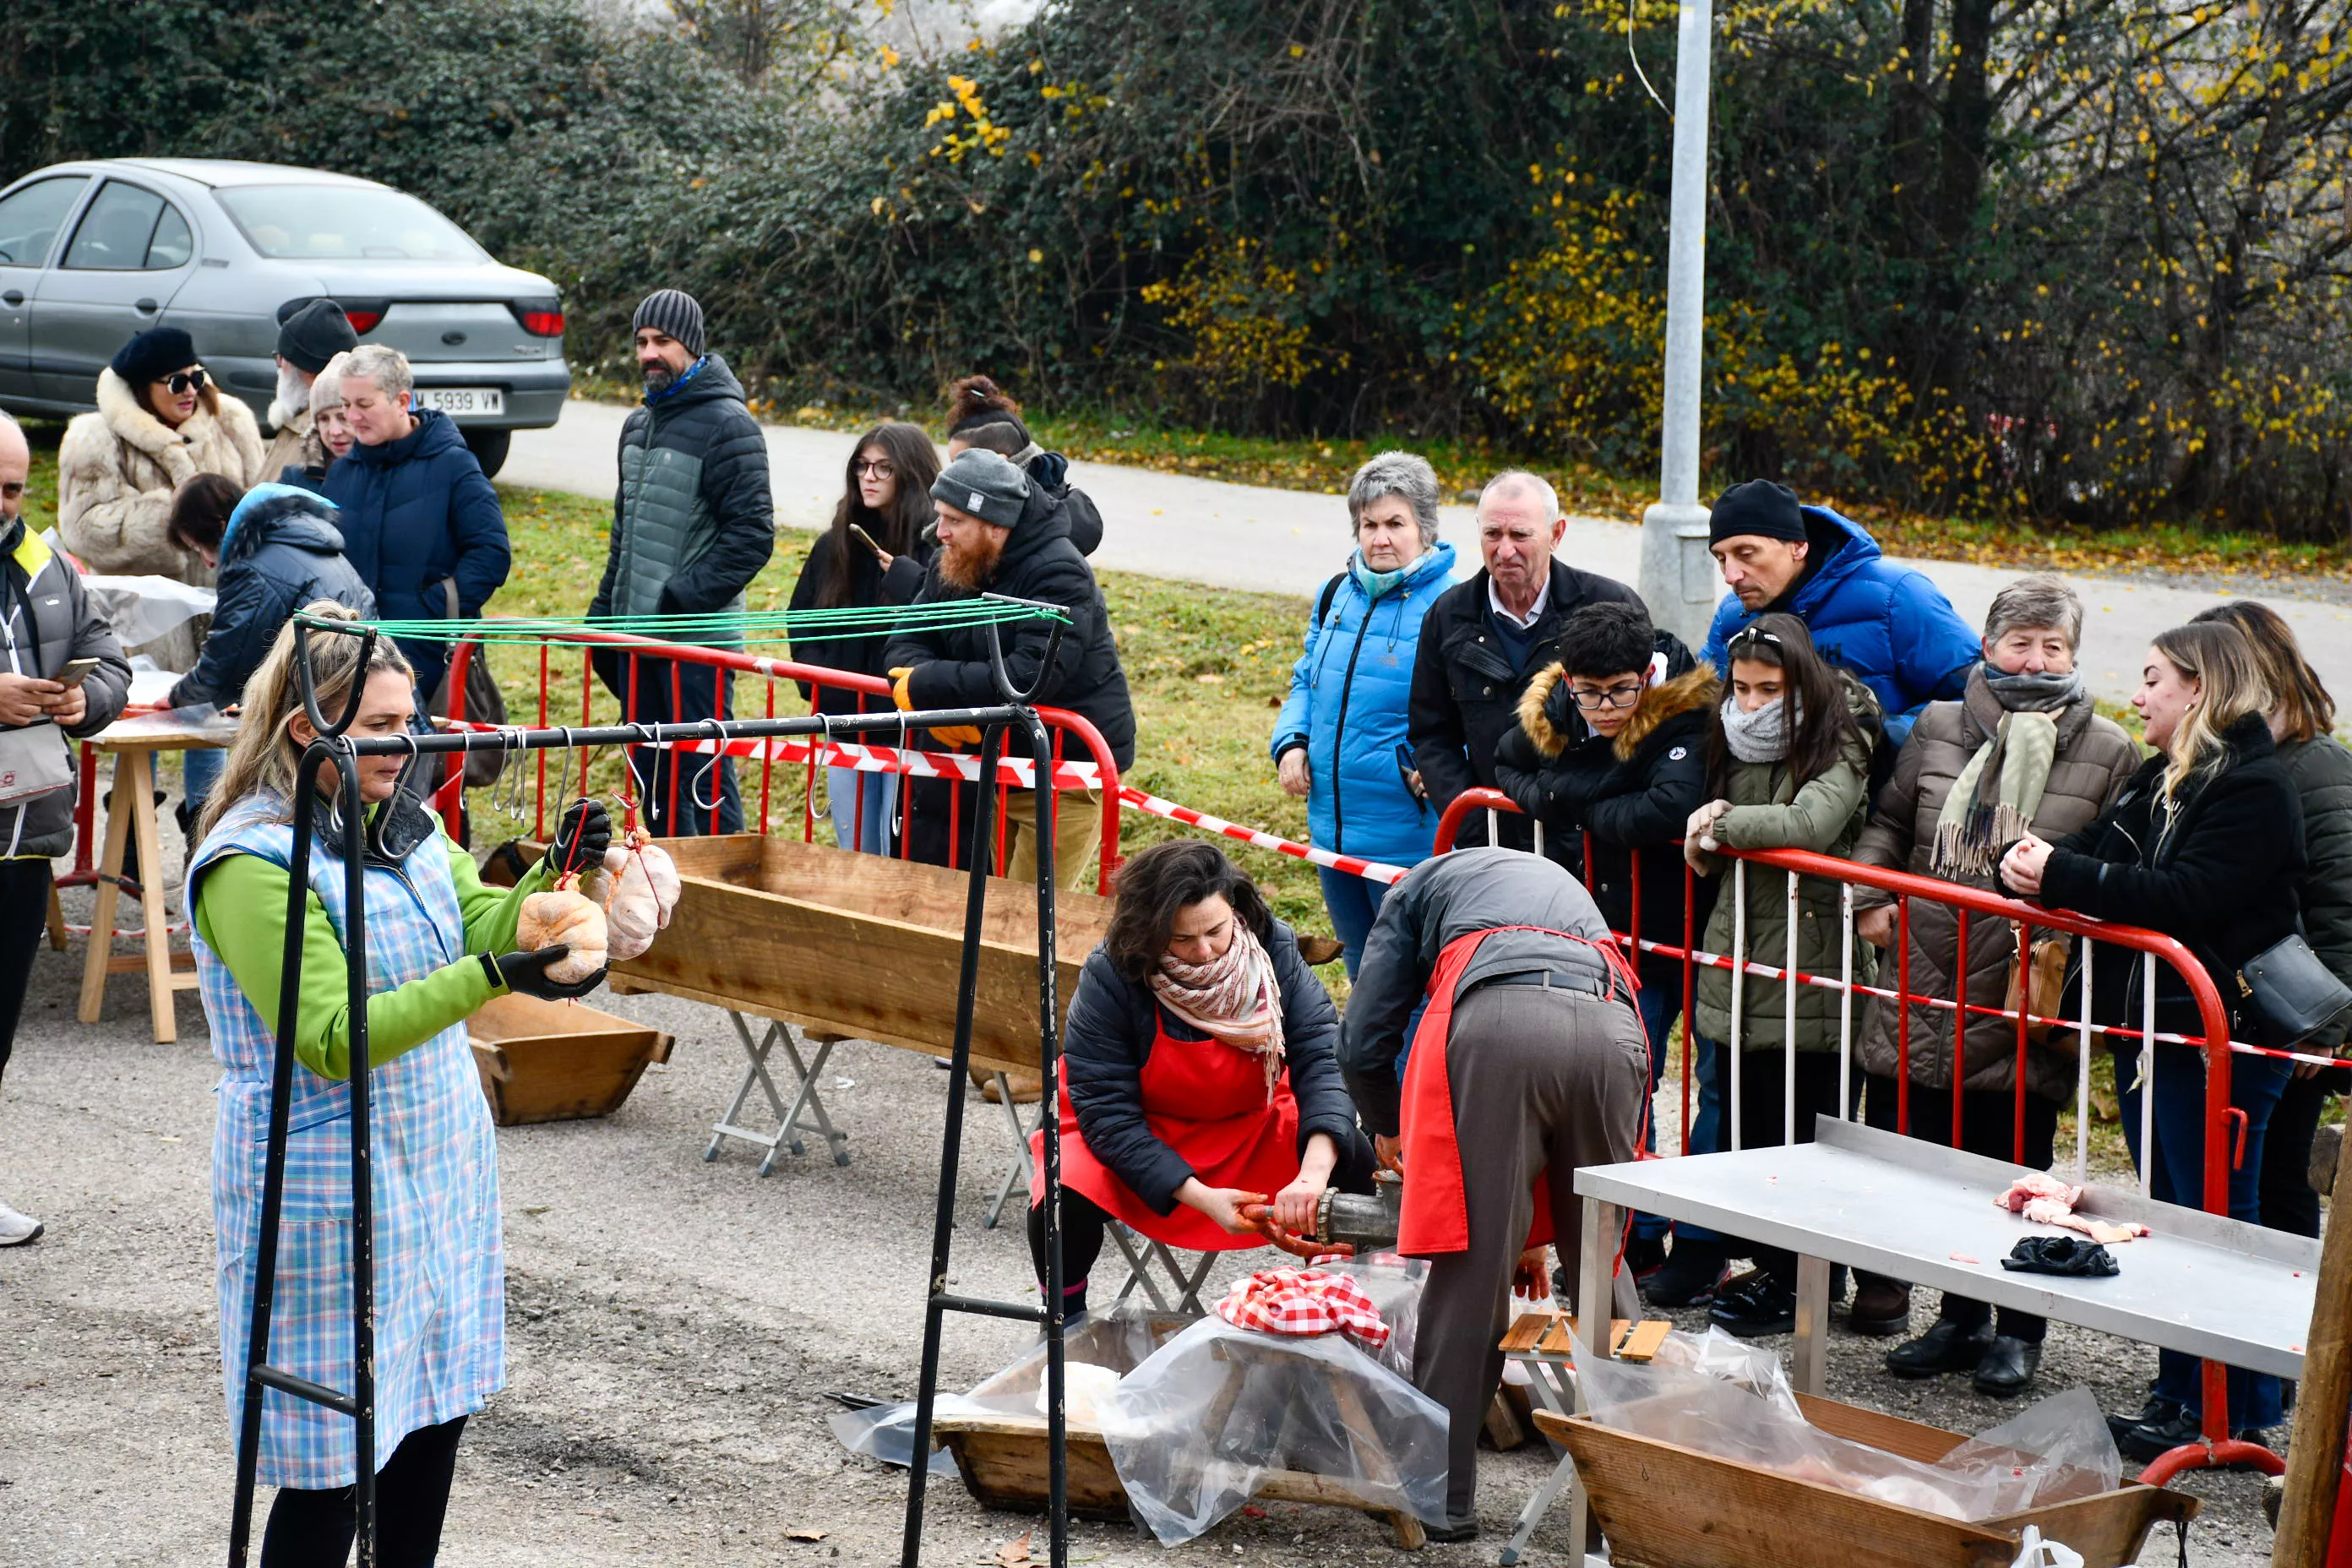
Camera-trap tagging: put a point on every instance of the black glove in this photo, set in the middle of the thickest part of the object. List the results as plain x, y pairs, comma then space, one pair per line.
526, 973
582, 837
2075, 1256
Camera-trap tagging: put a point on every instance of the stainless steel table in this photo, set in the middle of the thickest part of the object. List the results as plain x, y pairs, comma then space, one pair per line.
2212, 1286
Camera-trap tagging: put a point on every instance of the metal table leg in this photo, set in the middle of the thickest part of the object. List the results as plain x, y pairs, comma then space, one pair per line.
1813, 1323
1020, 1169
789, 1123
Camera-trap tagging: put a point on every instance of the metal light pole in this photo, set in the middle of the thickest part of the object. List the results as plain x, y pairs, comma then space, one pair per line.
1679, 581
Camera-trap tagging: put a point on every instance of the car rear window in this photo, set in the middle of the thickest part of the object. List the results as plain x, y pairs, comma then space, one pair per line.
344, 223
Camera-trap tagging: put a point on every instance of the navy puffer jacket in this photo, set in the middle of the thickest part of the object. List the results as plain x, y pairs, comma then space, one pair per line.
415, 513
281, 551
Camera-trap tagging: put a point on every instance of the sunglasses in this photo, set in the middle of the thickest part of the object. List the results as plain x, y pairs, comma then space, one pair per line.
878, 468
182, 381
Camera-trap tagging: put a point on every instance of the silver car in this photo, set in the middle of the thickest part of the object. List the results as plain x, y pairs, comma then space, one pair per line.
94, 252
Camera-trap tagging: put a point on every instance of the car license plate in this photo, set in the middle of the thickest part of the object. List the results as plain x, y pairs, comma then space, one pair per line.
457, 401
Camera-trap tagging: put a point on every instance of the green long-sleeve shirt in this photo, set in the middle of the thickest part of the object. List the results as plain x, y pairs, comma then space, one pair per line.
241, 915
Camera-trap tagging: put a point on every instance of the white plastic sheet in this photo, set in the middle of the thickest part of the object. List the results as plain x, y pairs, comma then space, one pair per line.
142, 609
1723, 1397
1197, 1429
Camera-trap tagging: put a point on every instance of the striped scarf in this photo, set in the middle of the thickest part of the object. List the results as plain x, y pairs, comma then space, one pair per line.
1993, 802
1233, 999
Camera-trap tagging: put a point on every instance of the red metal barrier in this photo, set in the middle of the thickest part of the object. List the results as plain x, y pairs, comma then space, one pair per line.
2219, 1448
873, 696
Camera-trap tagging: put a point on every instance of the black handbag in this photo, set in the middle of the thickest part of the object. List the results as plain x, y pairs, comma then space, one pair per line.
485, 704
2293, 994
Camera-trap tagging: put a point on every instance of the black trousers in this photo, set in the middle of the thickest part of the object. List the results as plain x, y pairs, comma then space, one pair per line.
315, 1529
2288, 1202
23, 921
695, 778
1988, 1127
1084, 1223
1763, 1098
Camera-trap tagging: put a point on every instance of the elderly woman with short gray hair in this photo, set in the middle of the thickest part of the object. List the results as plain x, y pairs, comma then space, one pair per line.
2020, 752
1340, 741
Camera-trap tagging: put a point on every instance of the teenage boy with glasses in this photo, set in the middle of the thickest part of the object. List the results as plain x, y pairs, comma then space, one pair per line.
1609, 747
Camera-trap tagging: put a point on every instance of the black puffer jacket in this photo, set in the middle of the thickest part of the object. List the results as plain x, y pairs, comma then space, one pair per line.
2321, 771
1465, 693
1633, 793
951, 667
1113, 1021
2217, 873
868, 584
281, 551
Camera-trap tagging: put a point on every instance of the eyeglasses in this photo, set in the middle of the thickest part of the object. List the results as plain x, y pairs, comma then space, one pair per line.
182, 381
1615, 697
879, 468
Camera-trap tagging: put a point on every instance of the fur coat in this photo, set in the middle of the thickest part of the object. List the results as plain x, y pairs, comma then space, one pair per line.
117, 469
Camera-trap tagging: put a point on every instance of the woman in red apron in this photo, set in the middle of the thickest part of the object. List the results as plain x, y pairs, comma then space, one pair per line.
1198, 1072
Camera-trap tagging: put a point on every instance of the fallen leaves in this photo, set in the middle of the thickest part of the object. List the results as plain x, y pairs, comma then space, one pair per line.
1014, 1553
805, 1532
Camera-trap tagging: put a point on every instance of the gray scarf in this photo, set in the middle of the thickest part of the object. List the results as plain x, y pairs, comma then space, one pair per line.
2044, 693
1761, 736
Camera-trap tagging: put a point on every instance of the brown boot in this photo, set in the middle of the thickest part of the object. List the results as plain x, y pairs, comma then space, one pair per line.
1881, 1307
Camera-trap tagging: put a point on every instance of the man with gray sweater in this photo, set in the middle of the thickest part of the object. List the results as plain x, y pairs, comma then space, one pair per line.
1528, 1063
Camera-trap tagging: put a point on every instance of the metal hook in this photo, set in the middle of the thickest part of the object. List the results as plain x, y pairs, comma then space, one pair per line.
710, 771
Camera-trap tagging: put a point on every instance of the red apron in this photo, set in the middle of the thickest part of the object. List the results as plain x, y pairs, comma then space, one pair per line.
1436, 1217
1207, 1102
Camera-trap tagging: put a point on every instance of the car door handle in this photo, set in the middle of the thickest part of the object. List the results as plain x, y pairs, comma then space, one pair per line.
145, 307
12, 297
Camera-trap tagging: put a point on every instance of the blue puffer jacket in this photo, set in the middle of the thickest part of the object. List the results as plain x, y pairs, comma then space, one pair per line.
280, 552
1349, 693
417, 513
1889, 624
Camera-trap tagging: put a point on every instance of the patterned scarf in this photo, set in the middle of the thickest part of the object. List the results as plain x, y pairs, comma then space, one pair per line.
1235, 1000
1993, 802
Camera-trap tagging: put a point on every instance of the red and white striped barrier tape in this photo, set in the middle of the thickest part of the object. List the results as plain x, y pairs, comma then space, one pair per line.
1373, 870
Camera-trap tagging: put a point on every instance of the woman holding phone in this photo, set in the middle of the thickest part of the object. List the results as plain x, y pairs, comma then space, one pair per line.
873, 553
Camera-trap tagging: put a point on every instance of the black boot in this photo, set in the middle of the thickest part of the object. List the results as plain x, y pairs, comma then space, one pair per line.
1763, 1306
1947, 1347
1689, 1278
2007, 1366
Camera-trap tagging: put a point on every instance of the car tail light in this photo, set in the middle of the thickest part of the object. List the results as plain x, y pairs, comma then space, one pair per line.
541, 321
363, 317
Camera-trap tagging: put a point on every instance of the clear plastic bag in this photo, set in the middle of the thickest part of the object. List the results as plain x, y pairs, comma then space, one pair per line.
1721, 1397
1196, 1430
1112, 1344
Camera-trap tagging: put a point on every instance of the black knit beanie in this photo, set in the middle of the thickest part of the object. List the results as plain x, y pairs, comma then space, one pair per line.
153, 355
312, 333
1757, 507
672, 310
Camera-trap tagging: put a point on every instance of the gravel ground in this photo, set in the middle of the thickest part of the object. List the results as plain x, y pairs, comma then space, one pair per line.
674, 1329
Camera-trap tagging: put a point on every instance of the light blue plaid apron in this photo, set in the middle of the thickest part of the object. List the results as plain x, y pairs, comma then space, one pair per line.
440, 1285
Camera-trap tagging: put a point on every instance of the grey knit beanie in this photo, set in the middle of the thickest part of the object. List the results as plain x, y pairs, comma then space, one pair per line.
675, 311
984, 484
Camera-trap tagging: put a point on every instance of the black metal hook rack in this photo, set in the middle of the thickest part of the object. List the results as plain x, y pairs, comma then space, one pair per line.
336, 748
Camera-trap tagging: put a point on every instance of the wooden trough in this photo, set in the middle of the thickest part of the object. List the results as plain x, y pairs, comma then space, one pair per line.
558, 1061
1665, 1506
858, 946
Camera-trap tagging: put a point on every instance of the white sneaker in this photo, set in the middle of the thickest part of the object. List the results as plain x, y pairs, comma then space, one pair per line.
16, 1229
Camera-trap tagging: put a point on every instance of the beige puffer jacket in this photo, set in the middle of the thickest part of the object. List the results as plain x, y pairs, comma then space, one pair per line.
2094, 759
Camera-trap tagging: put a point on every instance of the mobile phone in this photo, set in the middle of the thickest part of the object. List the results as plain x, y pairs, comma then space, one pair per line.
77, 670
868, 540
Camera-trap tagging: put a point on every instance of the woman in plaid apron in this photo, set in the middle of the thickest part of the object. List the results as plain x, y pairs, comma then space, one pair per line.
433, 935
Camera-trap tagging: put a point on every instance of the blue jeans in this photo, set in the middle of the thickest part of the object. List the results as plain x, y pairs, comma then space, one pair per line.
200, 770
1355, 903
1660, 1005
2177, 1175
870, 835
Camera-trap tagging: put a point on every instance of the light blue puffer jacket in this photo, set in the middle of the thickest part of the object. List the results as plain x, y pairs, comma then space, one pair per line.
1348, 701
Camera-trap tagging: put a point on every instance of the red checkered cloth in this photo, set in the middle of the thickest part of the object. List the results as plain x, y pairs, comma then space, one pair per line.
1304, 1301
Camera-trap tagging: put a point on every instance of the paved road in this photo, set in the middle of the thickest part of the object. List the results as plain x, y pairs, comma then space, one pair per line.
1242, 536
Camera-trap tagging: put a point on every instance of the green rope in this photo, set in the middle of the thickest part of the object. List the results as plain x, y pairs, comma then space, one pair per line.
721, 627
